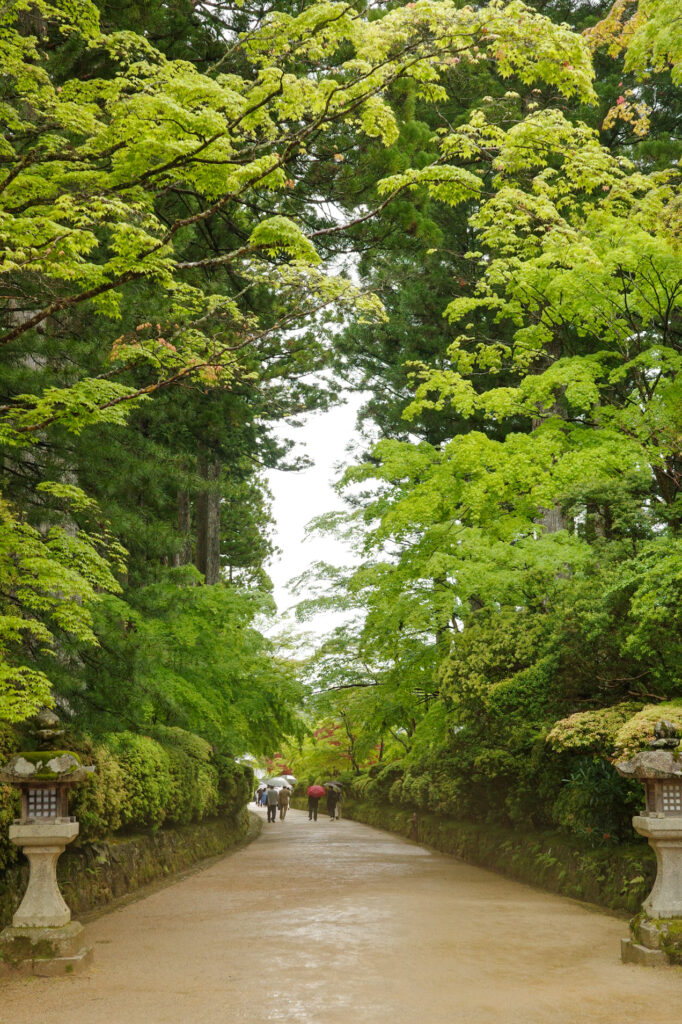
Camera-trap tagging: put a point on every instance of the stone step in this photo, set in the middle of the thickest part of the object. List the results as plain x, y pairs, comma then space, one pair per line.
47, 967
632, 953
23, 943
63, 964
649, 935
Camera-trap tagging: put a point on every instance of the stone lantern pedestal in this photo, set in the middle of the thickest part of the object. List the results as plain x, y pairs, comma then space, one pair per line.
656, 933
665, 836
42, 938
43, 843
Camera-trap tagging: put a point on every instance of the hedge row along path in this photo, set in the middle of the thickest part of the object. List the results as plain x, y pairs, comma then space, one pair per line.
333, 922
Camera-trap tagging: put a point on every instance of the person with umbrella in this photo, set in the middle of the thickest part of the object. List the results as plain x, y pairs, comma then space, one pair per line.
314, 794
283, 802
333, 799
272, 801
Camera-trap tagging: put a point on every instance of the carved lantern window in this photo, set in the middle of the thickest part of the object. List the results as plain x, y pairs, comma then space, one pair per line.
664, 796
47, 801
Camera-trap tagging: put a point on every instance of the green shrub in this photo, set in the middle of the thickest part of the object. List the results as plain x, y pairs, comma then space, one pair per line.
193, 745
208, 791
140, 782
147, 779
236, 784
98, 802
194, 779
596, 804
183, 798
592, 731
635, 734
377, 783
10, 804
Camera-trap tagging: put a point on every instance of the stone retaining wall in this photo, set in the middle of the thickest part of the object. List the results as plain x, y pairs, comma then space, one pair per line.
616, 877
93, 874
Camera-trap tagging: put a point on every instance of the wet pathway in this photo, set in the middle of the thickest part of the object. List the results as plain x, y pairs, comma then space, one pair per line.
337, 923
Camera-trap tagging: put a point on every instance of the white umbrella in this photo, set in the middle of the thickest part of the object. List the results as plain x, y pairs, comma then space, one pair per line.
279, 783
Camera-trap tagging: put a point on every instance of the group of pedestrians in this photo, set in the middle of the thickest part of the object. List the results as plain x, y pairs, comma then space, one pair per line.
275, 800
333, 804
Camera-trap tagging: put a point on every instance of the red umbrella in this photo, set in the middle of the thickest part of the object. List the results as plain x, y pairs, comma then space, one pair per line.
316, 790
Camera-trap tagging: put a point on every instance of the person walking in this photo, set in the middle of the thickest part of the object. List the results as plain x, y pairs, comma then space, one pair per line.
272, 800
283, 802
332, 801
313, 801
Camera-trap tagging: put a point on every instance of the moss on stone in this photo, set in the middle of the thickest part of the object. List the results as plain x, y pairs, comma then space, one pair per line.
670, 930
44, 774
635, 924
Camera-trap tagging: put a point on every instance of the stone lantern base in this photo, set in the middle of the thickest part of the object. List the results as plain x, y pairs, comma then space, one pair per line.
44, 951
42, 938
653, 942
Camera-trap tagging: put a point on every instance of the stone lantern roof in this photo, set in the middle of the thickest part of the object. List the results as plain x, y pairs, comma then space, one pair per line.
29, 766
46, 765
651, 764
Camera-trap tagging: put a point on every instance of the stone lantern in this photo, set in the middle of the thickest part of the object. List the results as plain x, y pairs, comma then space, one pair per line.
656, 933
42, 938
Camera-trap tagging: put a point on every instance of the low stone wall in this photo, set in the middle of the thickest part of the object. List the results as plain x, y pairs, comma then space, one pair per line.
614, 877
91, 875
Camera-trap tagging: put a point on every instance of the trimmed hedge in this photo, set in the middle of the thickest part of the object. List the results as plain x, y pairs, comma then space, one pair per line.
141, 782
614, 877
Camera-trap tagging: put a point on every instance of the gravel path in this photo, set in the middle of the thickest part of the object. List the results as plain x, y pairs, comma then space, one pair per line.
338, 923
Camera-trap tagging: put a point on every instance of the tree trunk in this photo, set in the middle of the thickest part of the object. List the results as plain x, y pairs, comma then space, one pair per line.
208, 520
553, 520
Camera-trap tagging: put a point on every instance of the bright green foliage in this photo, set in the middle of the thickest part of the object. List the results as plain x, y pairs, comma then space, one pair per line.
147, 779
617, 731
521, 578
322, 755
639, 730
51, 578
148, 203
98, 802
141, 781
186, 655
649, 31
166, 221
593, 731
10, 806
145, 783
194, 788
135, 769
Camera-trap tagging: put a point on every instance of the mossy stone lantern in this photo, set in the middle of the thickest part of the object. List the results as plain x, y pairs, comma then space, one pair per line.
42, 934
656, 933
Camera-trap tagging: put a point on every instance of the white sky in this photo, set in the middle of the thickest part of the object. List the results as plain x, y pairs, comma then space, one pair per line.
299, 497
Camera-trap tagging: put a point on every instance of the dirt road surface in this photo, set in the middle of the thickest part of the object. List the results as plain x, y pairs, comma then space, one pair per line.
338, 923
